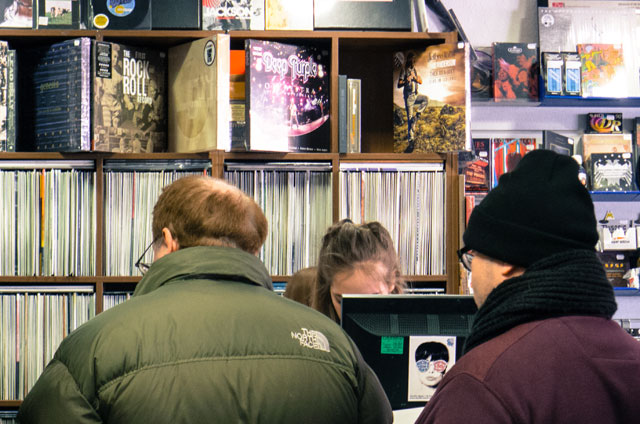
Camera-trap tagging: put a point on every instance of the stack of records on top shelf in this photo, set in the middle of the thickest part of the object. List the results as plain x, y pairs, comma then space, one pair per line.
96, 96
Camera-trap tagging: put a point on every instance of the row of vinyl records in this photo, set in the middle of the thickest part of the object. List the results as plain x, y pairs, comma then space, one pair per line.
48, 214
33, 322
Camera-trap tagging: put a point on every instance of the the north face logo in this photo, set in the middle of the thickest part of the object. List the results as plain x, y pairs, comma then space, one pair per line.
311, 339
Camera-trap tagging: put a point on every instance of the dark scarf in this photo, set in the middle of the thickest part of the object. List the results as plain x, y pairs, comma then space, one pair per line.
568, 283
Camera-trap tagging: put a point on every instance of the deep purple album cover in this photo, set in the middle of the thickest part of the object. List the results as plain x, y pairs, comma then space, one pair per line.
287, 94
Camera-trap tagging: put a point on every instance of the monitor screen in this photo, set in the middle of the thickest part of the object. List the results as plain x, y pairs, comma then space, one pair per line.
410, 341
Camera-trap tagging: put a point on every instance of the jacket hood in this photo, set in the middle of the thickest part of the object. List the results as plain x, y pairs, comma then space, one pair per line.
207, 262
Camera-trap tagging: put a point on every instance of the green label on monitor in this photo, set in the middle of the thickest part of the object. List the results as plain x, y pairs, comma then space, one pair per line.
391, 345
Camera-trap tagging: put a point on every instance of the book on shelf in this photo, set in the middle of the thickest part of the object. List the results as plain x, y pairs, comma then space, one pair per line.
603, 70
557, 142
122, 14
59, 14
431, 99
354, 115
233, 15
129, 111
287, 97
288, 15
364, 15
506, 153
172, 14
61, 91
199, 81
515, 71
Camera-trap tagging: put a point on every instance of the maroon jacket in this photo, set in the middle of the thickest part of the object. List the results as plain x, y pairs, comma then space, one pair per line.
574, 369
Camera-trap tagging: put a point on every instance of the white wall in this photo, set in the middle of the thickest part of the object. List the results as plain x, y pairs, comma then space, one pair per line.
486, 21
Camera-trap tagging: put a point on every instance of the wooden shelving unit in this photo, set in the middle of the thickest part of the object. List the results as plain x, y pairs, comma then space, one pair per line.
364, 55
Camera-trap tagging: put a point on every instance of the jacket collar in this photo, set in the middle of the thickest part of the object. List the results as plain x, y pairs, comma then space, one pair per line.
205, 262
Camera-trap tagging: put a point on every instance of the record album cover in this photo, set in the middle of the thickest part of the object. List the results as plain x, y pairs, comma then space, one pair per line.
59, 13
506, 153
17, 14
172, 14
289, 14
233, 14
129, 89
287, 97
431, 99
611, 172
363, 14
119, 14
515, 71
603, 70
557, 142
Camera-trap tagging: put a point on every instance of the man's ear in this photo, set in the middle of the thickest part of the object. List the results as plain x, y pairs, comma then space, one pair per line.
170, 243
510, 271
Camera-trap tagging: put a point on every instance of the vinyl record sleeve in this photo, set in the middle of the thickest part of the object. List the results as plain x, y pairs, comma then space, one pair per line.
120, 14
357, 14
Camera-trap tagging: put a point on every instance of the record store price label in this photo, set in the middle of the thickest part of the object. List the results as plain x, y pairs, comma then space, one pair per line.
121, 7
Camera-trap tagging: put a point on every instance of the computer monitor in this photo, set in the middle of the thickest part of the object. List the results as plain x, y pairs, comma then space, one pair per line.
409, 341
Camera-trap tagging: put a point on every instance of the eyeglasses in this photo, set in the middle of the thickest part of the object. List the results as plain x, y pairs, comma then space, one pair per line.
142, 266
466, 257
439, 365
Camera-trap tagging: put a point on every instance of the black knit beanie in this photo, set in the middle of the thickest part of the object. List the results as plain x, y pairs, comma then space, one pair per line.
537, 210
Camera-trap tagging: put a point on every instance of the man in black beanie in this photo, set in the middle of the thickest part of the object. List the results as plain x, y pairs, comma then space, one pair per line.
543, 348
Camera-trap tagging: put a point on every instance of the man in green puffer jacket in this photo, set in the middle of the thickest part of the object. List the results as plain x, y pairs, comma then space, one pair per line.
204, 339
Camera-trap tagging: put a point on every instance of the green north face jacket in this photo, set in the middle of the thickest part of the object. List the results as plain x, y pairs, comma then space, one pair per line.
205, 340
